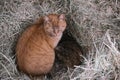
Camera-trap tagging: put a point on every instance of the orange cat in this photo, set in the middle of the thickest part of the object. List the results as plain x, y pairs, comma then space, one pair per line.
35, 48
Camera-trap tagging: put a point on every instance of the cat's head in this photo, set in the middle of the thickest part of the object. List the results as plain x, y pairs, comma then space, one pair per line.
54, 24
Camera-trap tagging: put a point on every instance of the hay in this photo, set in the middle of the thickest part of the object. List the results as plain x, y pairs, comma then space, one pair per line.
88, 22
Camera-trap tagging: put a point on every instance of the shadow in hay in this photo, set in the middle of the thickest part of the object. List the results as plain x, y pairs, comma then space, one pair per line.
68, 54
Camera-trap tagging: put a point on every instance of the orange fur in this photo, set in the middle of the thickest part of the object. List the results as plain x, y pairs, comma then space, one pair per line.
35, 48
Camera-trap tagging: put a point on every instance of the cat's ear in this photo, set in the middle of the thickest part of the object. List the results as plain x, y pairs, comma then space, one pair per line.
62, 17
46, 18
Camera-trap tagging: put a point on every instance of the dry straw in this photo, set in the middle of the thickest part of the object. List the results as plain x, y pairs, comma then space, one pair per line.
88, 22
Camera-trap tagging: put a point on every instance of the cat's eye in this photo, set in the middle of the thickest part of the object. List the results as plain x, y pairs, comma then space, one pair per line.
62, 26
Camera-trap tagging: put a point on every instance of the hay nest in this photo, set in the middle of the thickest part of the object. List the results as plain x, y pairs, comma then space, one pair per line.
94, 24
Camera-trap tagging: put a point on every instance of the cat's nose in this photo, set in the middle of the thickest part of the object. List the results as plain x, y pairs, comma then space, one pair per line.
56, 31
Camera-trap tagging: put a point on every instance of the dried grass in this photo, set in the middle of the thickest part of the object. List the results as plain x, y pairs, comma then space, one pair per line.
88, 21
102, 63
